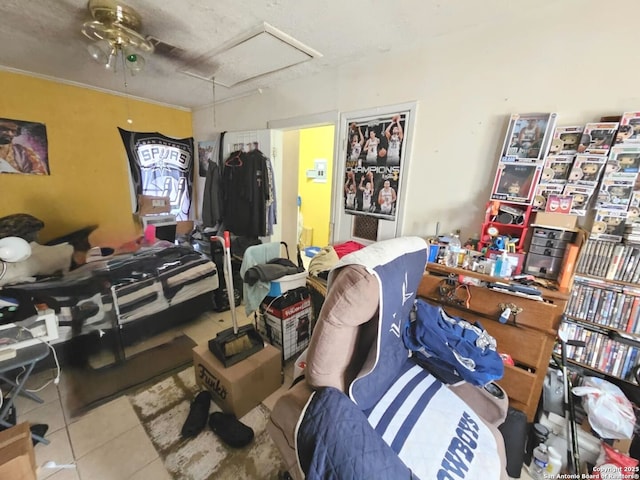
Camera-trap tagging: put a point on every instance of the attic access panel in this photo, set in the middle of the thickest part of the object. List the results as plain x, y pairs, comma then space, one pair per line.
261, 51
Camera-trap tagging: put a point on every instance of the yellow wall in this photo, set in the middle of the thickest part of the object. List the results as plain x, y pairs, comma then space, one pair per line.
88, 164
316, 143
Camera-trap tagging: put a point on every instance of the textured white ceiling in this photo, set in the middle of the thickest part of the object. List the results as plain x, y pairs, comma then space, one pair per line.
43, 36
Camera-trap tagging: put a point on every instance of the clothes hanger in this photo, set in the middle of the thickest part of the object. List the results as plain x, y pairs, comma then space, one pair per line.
234, 160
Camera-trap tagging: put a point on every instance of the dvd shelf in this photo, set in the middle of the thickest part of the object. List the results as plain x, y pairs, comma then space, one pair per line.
610, 260
605, 315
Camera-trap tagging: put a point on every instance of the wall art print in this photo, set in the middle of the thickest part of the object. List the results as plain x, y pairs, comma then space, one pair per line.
23, 147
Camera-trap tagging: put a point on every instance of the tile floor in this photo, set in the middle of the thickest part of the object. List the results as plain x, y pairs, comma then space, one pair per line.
109, 443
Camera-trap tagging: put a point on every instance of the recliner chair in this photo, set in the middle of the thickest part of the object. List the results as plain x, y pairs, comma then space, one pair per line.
364, 409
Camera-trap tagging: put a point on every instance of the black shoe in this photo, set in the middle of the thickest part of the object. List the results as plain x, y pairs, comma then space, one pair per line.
38, 429
198, 414
10, 418
230, 430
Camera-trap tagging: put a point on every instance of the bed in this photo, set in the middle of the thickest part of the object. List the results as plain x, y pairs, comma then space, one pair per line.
121, 299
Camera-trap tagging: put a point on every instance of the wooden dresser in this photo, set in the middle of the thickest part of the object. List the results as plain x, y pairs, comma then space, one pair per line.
527, 337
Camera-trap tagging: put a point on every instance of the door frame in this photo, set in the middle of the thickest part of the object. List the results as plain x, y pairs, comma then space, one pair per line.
330, 117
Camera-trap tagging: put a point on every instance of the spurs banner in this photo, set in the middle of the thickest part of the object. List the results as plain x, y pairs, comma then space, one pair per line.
161, 166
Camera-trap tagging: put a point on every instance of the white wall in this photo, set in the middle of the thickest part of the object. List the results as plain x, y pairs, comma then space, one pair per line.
578, 59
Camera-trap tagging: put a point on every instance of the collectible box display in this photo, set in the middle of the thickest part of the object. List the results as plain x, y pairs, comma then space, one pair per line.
598, 138
515, 181
559, 204
624, 158
528, 136
633, 212
543, 191
629, 130
556, 169
581, 198
587, 170
565, 140
616, 191
608, 225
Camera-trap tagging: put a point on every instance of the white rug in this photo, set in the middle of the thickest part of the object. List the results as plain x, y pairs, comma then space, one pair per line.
163, 408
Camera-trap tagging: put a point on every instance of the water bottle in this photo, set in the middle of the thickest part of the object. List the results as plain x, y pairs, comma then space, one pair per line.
540, 462
555, 463
537, 435
455, 247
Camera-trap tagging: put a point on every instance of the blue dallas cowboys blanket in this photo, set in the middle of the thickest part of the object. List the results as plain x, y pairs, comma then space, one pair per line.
398, 421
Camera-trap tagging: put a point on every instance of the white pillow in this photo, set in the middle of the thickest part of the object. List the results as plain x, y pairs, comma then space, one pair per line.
44, 260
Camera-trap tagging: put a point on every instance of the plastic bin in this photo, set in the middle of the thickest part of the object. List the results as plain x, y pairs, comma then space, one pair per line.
311, 251
286, 283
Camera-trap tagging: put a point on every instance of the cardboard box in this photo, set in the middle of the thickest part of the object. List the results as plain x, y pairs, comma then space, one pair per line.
238, 388
17, 458
286, 321
557, 220
150, 205
184, 227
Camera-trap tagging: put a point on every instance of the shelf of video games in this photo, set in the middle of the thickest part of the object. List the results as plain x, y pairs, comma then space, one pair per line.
590, 171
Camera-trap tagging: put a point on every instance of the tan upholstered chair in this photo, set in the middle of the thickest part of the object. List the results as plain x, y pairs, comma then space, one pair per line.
341, 346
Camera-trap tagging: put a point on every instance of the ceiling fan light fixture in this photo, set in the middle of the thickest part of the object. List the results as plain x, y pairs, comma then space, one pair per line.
133, 61
114, 30
100, 51
111, 62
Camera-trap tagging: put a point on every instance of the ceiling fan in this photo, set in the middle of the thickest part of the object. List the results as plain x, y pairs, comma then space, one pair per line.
115, 31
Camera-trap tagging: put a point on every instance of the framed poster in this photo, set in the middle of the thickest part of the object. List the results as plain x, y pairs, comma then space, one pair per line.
374, 157
23, 147
528, 136
206, 151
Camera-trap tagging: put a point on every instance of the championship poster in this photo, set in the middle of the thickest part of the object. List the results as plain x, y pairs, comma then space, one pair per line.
23, 147
374, 158
161, 166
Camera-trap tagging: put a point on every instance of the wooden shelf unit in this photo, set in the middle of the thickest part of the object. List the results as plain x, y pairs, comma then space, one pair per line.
529, 340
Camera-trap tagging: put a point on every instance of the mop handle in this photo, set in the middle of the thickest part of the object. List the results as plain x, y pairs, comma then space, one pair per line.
228, 275
230, 287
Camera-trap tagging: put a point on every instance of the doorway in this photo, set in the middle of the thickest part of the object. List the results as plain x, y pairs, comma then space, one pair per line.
315, 170
308, 149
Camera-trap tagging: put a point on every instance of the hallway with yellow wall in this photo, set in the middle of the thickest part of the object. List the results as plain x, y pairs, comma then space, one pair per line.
89, 181
316, 143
